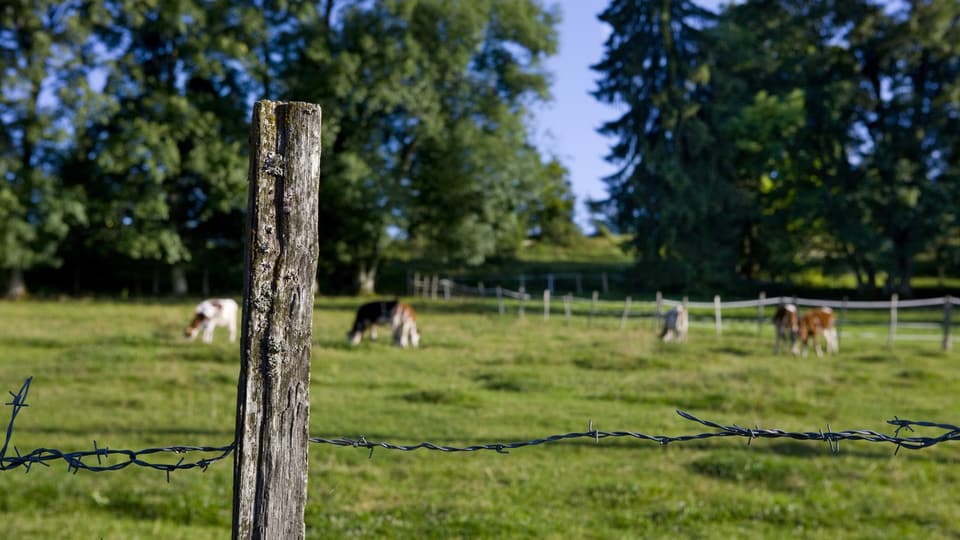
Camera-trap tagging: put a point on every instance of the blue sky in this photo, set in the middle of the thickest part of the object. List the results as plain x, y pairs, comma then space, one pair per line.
567, 127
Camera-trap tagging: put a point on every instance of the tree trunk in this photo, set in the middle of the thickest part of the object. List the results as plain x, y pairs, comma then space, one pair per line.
16, 287
366, 279
179, 279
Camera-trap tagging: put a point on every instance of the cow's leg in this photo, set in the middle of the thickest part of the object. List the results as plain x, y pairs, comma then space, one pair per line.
208, 333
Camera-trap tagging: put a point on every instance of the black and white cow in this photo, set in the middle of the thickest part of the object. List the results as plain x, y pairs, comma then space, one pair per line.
399, 316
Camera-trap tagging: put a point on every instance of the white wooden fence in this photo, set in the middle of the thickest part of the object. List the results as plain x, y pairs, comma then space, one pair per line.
432, 286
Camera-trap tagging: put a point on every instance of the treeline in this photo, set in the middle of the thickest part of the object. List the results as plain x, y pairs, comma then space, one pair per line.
123, 150
773, 137
780, 135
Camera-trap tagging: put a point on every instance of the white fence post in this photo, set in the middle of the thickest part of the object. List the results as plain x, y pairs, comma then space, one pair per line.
893, 320
546, 304
593, 305
626, 313
523, 302
659, 314
446, 289
947, 308
762, 297
716, 314
843, 318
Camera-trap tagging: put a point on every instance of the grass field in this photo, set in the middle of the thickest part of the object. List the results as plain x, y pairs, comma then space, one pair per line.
120, 374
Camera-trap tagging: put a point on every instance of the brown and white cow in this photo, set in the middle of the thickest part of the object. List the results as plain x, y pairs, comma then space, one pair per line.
210, 314
815, 325
399, 316
787, 326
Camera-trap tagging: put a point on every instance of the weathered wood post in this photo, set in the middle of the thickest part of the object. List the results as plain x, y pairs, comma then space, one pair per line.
523, 301
500, 299
761, 298
546, 304
947, 307
567, 299
593, 306
416, 284
280, 257
446, 289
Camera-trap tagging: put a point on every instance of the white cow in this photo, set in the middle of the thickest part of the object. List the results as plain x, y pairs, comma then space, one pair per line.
211, 314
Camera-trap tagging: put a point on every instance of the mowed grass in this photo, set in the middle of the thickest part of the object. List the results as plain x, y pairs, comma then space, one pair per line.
120, 374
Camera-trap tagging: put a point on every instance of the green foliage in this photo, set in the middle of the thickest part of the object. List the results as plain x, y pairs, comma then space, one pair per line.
424, 103
481, 379
43, 51
783, 134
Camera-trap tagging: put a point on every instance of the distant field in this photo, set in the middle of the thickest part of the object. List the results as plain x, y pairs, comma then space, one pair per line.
120, 374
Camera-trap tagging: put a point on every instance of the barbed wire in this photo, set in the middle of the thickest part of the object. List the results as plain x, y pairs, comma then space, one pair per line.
75, 461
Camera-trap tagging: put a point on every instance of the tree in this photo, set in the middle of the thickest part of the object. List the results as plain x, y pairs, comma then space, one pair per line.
165, 160
669, 191
44, 51
424, 104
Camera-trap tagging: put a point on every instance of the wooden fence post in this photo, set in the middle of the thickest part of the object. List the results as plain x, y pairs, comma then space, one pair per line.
280, 258
446, 289
416, 284
626, 313
500, 299
716, 314
546, 304
434, 285
892, 336
947, 308
762, 297
593, 306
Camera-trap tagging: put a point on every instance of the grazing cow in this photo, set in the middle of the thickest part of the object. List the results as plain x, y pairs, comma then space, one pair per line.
211, 314
675, 325
817, 324
401, 318
787, 326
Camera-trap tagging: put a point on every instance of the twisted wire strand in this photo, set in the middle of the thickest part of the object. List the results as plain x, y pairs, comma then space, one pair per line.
75, 460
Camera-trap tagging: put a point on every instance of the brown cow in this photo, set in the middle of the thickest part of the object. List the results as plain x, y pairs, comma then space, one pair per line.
816, 324
787, 326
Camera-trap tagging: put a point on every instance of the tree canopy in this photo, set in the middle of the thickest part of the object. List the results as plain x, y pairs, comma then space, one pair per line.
780, 134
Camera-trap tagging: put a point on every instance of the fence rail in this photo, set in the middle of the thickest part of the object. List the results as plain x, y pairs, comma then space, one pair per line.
75, 459
446, 288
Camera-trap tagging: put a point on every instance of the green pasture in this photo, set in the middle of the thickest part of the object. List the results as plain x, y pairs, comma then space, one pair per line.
121, 374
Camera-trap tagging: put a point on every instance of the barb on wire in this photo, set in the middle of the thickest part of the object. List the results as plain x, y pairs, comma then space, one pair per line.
75, 461
832, 438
